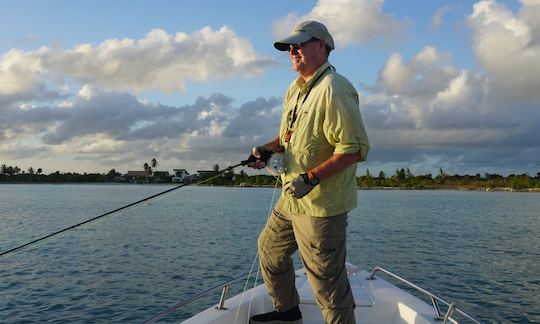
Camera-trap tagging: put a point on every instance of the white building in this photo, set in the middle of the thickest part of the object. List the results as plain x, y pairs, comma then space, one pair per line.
181, 175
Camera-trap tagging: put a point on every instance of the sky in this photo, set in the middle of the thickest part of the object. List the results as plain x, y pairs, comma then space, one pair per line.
88, 86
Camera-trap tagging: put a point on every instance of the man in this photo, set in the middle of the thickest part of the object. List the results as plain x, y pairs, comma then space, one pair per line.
322, 138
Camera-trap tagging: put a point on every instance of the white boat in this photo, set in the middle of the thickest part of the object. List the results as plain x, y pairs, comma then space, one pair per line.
377, 301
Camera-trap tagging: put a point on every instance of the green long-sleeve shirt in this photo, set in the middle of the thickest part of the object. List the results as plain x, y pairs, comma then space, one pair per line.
327, 122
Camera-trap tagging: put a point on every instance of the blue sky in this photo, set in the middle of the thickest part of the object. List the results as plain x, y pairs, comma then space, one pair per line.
88, 86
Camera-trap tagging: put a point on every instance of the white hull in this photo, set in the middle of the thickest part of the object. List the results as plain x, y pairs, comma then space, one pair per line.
377, 301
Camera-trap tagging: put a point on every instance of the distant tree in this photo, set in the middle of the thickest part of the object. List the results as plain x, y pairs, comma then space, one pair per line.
112, 174
31, 170
216, 168
442, 177
400, 174
39, 170
242, 176
442, 174
494, 176
408, 174
9, 170
154, 163
521, 182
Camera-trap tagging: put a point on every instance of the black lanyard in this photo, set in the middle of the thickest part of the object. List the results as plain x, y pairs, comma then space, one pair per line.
289, 132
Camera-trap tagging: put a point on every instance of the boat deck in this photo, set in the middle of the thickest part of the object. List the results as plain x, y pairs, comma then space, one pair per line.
377, 301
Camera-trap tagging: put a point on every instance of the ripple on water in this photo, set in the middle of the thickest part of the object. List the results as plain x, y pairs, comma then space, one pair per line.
470, 248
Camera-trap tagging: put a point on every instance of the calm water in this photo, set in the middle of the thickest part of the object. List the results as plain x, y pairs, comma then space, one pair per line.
480, 250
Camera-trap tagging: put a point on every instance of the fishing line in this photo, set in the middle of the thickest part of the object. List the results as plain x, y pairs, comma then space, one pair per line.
228, 169
257, 254
254, 262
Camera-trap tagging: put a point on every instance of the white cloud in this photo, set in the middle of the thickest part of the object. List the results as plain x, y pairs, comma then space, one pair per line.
349, 21
508, 47
438, 17
19, 71
426, 107
427, 72
422, 110
426, 113
102, 127
86, 92
159, 60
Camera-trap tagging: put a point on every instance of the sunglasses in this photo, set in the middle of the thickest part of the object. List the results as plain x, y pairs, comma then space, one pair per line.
297, 47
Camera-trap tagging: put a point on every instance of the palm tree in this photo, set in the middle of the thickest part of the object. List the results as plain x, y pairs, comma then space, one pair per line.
147, 167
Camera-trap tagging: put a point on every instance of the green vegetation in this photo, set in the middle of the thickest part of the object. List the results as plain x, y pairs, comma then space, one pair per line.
15, 174
234, 179
401, 179
404, 179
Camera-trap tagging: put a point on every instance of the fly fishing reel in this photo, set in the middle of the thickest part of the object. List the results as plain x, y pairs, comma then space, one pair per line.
276, 164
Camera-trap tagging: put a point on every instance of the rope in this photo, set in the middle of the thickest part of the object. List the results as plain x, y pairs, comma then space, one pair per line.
123, 208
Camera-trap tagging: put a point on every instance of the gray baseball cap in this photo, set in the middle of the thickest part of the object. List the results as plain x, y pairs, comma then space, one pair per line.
304, 32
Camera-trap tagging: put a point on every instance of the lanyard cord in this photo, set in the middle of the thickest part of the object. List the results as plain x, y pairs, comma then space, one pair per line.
295, 110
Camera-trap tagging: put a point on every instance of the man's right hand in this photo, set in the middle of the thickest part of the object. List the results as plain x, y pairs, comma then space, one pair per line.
262, 153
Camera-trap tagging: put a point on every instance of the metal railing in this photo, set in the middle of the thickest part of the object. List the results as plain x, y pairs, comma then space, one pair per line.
221, 305
434, 298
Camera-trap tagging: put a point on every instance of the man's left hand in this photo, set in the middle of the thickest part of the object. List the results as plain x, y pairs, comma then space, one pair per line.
300, 186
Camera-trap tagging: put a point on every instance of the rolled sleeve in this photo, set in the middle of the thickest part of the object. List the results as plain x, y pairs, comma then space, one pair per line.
343, 126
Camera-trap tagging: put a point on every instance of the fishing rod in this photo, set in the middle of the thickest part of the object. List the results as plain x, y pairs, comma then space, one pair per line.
251, 159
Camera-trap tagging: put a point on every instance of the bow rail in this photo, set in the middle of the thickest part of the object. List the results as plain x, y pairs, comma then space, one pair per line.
435, 300
446, 317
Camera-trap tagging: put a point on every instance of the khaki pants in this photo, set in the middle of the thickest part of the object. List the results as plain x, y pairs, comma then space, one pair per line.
321, 243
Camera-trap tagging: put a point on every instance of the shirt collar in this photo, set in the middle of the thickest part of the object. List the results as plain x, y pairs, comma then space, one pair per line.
306, 85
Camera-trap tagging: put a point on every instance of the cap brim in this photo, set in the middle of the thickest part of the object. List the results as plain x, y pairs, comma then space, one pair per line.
296, 38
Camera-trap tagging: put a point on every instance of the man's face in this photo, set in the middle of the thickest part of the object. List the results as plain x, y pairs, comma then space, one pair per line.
306, 58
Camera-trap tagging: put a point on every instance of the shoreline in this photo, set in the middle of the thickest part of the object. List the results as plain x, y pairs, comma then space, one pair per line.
501, 189
495, 189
